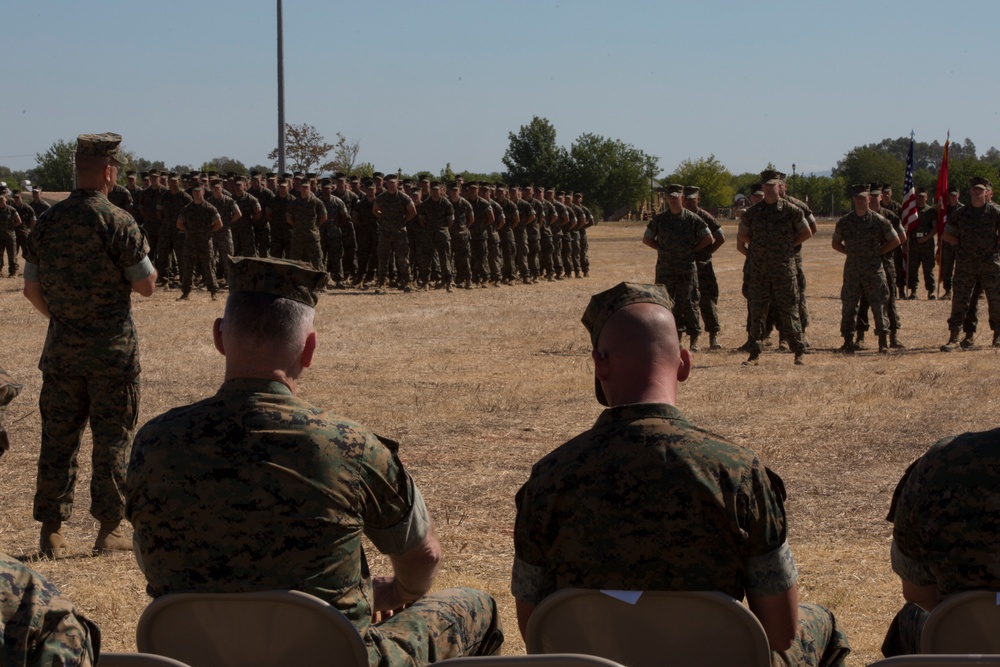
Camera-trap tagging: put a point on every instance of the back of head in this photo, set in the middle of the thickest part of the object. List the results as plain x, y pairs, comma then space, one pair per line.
257, 323
642, 343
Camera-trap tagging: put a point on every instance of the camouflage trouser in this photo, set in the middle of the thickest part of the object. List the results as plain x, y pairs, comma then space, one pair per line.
198, 255
244, 243
170, 248
534, 255
683, 289
521, 252
818, 642
557, 241
546, 250
281, 242
507, 250
262, 237
111, 403
921, 257
334, 245
708, 297
900, 266
8, 246
8, 392
967, 278
873, 290
222, 243
947, 265
350, 261
152, 231
493, 253
584, 252
460, 252
800, 277
777, 288
367, 256
446, 624
46, 628
574, 251
478, 254
435, 241
568, 263
394, 243
307, 248
903, 637
891, 310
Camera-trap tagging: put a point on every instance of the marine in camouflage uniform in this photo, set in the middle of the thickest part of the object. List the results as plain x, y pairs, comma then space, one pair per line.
337, 217
39, 205
27, 215
393, 209
305, 487
244, 238
350, 199
508, 242
10, 221
84, 259
920, 252
482, 218
438, 217
222, 240
558, 232
708, 286
38, 626
891, 309
277, 218
462, 211
198, 221
948, 250
9, 390
864, 236
546, 244
366, 232
169, 205
493, 233
262, 227
946, 522
676, 235
577, 221
897, 255
526, 227
800, 274
646, 501
148, 198
771, 229
121, 197
584, 244
975, 231
306, 216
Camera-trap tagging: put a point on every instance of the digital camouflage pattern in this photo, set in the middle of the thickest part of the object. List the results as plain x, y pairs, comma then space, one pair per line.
273, 493
708, 284
676, 237
864, 273
244, 240
39, 627
393, 208
438, 217
199, 219
945, 513
170, 240
922, 255
283, 278
222, 240
9, 222
333, 235
305, 216
85, 245
976, 260
702, 514
772, 271
120, 197
281, 232
9, 390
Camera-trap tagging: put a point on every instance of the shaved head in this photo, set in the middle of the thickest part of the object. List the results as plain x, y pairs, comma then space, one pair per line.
638, 358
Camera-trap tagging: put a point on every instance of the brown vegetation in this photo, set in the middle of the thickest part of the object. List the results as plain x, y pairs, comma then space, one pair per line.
477, 385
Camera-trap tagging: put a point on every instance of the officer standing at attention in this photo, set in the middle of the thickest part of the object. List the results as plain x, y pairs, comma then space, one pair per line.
85, 257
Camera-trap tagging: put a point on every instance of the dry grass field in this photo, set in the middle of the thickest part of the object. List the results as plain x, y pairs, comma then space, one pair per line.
477, 385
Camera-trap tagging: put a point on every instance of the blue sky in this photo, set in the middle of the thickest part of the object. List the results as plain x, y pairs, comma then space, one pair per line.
422, 84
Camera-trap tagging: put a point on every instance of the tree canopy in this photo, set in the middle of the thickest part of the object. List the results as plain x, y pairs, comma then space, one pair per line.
54, 167
307, 150
717, 185
533, 156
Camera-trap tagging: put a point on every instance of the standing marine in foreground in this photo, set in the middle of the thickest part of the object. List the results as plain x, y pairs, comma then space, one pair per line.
85, 257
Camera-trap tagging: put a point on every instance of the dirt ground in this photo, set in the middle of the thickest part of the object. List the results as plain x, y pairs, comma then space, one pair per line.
477, 385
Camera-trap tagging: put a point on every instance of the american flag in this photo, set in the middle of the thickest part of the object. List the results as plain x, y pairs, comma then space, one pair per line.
910, 212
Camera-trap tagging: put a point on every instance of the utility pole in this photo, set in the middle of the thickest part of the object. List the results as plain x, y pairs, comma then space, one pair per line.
281, 93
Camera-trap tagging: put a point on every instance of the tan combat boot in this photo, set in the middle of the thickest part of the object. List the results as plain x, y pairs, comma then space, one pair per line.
110, 538
52, 544
952, 343
694, 344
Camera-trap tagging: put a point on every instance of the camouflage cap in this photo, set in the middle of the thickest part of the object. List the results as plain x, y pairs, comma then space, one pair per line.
674, 190
602, 306
757, 189
770, 177
860, 190
874, 190
887, 188
979, 182
284, 278
100, 145
953, 190
691, 191
921, 191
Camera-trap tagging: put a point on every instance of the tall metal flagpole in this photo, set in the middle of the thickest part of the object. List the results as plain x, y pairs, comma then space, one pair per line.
281, 94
